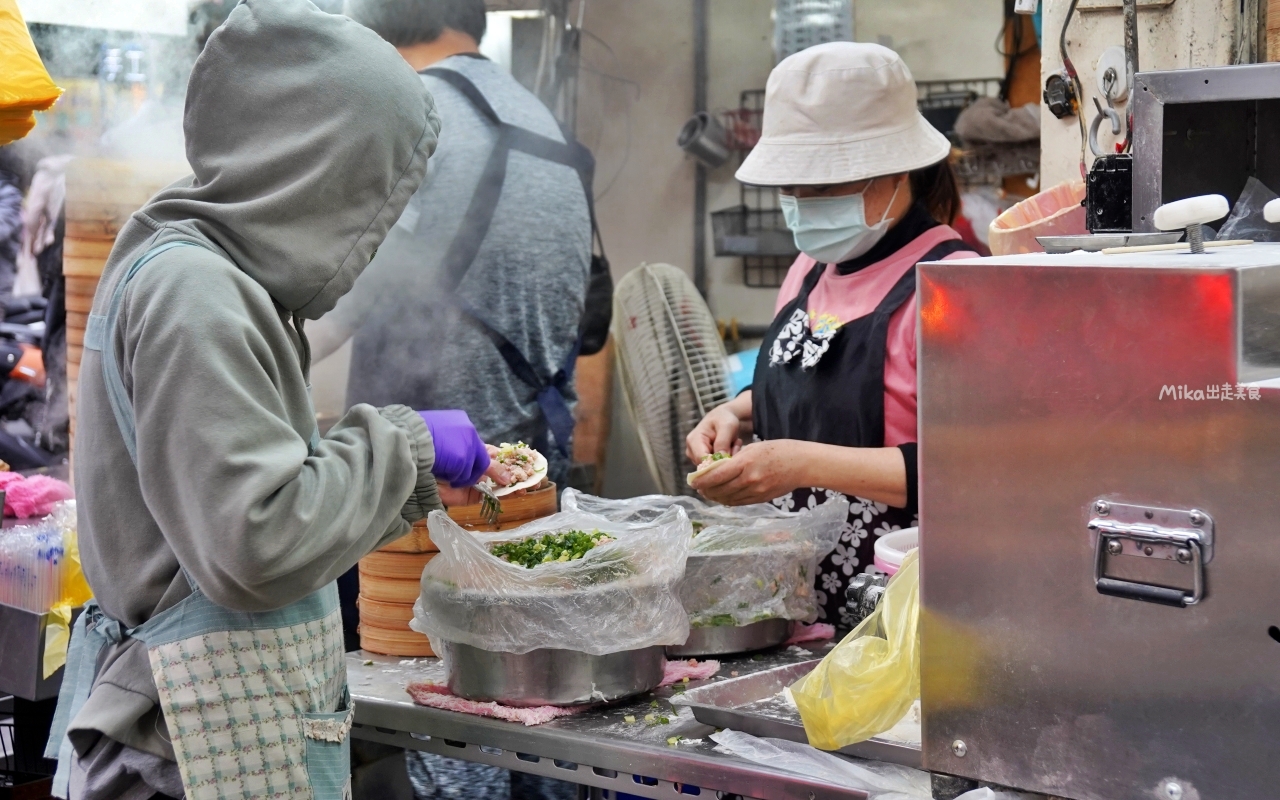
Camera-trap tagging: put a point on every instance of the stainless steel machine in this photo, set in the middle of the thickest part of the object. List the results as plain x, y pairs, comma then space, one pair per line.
1100, 522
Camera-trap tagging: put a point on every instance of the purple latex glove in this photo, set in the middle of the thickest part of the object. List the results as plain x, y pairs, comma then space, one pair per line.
461, 458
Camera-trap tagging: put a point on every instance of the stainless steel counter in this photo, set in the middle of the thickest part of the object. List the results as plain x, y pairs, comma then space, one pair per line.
596, 748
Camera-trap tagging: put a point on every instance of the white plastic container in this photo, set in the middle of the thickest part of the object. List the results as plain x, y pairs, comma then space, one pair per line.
893, 547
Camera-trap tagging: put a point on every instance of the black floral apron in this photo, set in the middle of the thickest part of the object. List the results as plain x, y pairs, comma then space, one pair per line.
820, 381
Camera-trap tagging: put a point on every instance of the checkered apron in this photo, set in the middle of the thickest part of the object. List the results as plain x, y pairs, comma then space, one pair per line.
256, 703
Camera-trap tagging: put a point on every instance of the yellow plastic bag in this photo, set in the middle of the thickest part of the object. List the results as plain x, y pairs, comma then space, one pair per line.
75, 593
869, 681
25, 86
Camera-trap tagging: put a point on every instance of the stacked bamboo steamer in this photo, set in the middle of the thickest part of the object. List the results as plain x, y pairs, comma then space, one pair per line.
389, 578
101, 196
388, 589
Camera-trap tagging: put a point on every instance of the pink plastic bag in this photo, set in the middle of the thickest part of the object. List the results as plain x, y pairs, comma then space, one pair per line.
32, 497
1054, 212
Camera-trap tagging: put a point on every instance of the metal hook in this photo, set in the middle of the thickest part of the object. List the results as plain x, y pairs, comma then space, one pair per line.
1108, 113
1109, 79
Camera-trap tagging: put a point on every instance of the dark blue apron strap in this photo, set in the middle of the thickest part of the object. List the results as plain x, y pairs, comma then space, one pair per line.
475, 226
550, 393
466, 244
554, 405
98, 336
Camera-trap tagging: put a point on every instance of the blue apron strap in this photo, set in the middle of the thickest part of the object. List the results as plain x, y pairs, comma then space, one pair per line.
97, 336
466, 244
549, 394
553, 405
83, 653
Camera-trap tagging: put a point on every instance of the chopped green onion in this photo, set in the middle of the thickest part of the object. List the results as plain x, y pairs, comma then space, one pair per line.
550, 547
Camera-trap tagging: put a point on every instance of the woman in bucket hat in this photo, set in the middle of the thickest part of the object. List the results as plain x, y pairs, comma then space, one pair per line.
866, 189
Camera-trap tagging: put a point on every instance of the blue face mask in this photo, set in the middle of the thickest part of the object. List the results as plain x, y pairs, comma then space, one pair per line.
834, 229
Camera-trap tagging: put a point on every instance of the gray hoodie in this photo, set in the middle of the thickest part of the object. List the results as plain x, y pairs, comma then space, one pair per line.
307, 135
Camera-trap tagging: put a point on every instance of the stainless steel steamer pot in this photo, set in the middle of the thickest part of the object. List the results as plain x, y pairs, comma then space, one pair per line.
550, 676
719, 640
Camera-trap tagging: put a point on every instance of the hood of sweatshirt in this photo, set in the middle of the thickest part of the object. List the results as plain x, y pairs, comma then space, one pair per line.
307, 135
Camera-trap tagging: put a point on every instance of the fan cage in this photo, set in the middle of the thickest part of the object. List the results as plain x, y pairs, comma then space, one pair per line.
672, 365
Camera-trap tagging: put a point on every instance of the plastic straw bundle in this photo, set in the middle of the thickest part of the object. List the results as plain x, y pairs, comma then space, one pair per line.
32, 561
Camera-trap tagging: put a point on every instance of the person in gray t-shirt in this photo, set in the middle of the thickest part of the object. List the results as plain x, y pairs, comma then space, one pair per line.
529, 279
412, 344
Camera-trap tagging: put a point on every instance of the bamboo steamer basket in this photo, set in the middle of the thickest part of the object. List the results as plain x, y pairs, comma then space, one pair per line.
388, 590
101, 196
87, 249
91, 229
77, 319
394, 642
418, 540
397, 566
384, 615
517, 510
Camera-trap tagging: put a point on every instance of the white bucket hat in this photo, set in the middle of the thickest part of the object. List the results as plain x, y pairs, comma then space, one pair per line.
837, 113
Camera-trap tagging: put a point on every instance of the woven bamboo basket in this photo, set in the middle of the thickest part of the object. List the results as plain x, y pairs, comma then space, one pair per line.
101, 196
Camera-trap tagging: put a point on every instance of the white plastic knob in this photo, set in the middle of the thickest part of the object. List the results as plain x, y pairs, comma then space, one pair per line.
1271, 211
1193, 211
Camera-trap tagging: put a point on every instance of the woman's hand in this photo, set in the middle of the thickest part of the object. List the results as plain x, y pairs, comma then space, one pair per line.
765, 471
758, 473
721, 430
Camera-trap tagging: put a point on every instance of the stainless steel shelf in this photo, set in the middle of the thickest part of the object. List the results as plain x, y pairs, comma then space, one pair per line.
596, 748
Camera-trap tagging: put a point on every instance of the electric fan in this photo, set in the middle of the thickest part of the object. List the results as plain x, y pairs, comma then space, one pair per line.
672, 364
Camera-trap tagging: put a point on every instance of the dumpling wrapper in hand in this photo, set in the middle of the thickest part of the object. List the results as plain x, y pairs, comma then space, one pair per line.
709, 463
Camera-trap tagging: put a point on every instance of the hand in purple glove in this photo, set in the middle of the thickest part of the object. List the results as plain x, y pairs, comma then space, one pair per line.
461, 458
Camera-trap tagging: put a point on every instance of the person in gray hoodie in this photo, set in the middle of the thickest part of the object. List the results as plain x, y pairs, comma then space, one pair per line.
205, 494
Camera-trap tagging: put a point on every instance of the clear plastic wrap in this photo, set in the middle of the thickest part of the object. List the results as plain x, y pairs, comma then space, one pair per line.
622, 595
880, 780
651, 506
1246, 220
747, 563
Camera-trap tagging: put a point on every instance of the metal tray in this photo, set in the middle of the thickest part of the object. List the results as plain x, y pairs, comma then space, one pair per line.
550, 676
1093, 242
750, 704
722, 640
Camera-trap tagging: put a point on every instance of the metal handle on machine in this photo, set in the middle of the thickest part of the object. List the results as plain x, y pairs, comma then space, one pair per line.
1184, 536
1147, 592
